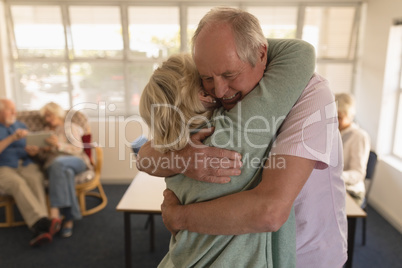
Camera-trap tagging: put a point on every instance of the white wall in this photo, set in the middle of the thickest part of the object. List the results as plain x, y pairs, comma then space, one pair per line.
115, 136
4, 83
372, 94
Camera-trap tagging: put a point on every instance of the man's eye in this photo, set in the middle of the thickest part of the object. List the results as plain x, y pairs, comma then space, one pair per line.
229, 76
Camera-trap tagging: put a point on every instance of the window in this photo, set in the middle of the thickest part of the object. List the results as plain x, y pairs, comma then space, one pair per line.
331, 31
96, 32
390, 129
397, 150
397, 144
154, 31
38, 31
105, 53
276, 22
154, 35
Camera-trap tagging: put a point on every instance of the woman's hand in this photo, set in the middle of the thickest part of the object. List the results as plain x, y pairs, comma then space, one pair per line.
32, 150
53, 141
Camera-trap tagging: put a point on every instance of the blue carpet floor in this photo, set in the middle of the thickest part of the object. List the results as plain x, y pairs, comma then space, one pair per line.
98, 241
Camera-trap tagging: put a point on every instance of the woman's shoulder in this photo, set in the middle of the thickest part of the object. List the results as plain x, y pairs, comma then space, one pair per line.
75, 128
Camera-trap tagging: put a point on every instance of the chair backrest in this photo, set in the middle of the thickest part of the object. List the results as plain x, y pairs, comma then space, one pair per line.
372, 162
34, 121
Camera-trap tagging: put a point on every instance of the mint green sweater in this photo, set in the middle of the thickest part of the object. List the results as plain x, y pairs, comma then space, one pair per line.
248, 128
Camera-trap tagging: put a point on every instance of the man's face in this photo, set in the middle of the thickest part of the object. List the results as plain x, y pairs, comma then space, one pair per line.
8, 115
344, 121
223, 74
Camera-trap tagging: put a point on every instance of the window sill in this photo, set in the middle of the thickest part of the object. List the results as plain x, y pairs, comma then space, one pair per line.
393, 161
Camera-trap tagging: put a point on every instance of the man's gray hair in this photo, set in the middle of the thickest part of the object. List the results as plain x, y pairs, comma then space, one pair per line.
246, 29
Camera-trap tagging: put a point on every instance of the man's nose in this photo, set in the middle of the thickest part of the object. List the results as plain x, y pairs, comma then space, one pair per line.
221, 87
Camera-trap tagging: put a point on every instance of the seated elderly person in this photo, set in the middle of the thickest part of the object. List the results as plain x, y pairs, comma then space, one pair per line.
21, 178
356, 148
62, 160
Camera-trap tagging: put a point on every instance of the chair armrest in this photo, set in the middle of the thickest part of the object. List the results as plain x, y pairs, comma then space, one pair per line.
98, 160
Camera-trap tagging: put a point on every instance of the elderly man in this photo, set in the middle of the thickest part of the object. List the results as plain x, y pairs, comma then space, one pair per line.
308, 141
21, 178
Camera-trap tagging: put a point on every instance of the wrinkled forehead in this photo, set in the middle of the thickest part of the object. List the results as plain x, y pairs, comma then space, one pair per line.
8, 105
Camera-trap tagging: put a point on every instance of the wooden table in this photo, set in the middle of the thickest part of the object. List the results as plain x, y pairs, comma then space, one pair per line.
353, 212
143, 196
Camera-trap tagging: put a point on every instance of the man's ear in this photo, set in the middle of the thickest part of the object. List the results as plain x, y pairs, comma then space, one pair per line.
264, 54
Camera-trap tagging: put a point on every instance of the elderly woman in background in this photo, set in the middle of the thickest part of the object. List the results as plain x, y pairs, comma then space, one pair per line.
356, 148
62, 160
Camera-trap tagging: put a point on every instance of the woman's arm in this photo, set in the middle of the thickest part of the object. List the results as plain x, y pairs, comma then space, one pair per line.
70, 141
193, 161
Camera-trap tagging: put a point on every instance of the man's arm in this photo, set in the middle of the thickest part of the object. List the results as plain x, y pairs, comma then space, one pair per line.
17, 135
197, 161
267, 206
262, 209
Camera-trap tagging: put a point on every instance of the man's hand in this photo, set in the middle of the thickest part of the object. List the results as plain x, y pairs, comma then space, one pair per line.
170, 203
20, 133
209, 164
196, 160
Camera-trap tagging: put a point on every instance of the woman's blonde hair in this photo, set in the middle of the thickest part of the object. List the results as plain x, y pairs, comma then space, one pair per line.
346, 105
53, 108
246, 30
170, 103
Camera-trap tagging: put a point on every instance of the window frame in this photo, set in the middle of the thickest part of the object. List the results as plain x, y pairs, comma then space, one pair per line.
398, 104
183, 9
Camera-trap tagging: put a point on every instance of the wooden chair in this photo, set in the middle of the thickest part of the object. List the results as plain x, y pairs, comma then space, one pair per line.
8, 204
92, 187
88, 183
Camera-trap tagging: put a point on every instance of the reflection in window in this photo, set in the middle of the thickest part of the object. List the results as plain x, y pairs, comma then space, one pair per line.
38, 31
96, 31
154, 31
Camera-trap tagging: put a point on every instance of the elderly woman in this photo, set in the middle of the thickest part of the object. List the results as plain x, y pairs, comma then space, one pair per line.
356, 148
62, 159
